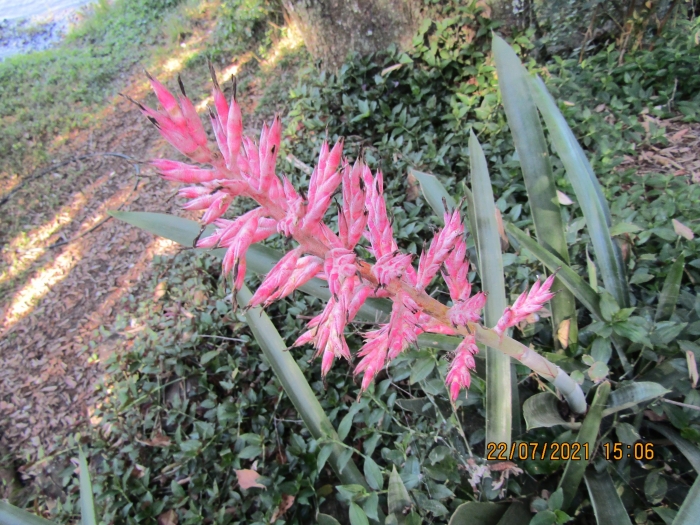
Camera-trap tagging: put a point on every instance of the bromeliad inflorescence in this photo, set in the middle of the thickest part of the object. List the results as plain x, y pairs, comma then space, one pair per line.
242, 167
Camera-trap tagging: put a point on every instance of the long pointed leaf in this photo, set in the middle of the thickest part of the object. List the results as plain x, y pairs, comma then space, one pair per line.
11, 515
633, 393
690, 510
588, 192
297, 388
499, 400
583, 292
87, 502
524, 123
574, 470
688, 449
607, 506
670, 290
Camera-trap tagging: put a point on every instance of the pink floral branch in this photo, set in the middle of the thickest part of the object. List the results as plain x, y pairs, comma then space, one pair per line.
241, 167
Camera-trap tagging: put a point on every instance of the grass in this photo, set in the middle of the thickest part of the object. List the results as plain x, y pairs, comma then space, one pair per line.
44, 95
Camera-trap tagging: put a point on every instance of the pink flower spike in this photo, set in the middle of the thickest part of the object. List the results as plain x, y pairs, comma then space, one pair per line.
439, 250
391, 266
306, 269
182, 172
456, 274
459, 375
352, 218
217, 208
276, 277
234, 134
294, 205
526, 304
324, 181
469, 311
167, 100
339, 265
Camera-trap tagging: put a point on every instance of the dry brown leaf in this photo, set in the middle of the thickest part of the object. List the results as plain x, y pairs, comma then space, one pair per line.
501, 231
653, 416
564, 199
169, 517
563, 333
248, 479
159, 440
413, 190
284, 506
682, 230
678, 135
160, 290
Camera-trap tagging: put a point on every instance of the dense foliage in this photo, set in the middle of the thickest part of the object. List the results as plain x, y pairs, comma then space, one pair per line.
184, 409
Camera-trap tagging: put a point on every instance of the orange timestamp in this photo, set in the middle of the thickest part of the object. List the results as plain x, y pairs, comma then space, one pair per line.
639, 451
551, 451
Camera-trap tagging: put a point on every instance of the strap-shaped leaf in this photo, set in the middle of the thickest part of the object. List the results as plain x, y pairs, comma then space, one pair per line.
690, 509
87, 502
607, 506
583, 292
633, 393
499, 391
587, 188
670, 291
541, 410
688, 449
574, 470
528, 136
11, 515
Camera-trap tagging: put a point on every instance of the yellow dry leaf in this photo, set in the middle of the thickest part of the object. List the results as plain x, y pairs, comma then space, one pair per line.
564, 199
169, 517
563, 333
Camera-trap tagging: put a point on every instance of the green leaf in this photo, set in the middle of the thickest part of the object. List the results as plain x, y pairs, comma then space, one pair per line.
373, 474
87, 502
325, 519
357, 515
688, 449
670, 291
546, 517
478, 513
11, 515
541, 410
631, 394
556, 499
434, 192
398, 499
298, 389
655, 487
583, 292
608, 306
626, 433
345, 425
588, 191
208, 356
690, 509
421, 369
323, 456
524, 123
607, 506
499, 391
574, 470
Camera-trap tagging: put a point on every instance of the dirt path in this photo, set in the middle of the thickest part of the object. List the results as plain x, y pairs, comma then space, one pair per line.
55, 299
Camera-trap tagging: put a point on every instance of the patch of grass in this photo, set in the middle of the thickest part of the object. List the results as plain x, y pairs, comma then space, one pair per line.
44, 95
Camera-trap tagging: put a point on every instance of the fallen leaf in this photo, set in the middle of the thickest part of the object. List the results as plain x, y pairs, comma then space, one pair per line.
284, 506
600, 107
169, 517
159, 440
160, 290
692, 367
678, 135
248, 479
564, 199
653, 416
682, 230
389, 69
563, 333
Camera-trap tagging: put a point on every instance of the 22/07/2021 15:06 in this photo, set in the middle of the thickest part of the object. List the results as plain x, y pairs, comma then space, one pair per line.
638, 451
